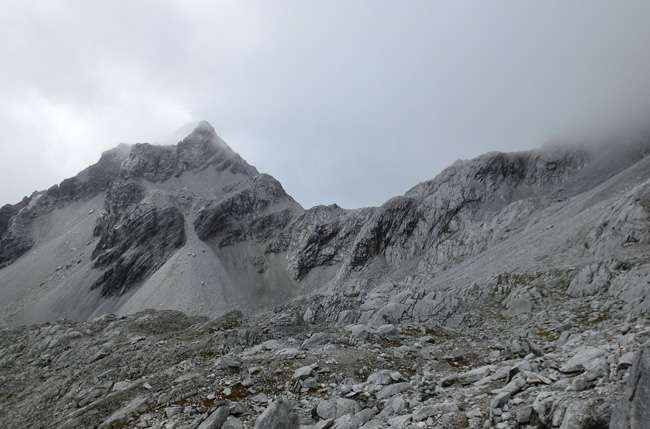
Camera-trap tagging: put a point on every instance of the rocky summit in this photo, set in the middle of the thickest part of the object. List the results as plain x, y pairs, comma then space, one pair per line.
178, 287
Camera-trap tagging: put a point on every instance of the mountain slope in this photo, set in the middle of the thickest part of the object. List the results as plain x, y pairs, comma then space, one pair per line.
194, 227
75, 251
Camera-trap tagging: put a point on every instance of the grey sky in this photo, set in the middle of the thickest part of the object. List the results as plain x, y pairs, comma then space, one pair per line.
343, 101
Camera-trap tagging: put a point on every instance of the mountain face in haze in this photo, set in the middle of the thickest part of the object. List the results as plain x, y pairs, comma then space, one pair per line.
194, 227
509, 291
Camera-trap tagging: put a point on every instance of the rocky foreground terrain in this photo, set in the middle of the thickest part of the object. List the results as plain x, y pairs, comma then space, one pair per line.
178, 287
576, 364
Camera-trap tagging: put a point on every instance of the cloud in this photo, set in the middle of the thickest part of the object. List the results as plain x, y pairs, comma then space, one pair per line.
348, 102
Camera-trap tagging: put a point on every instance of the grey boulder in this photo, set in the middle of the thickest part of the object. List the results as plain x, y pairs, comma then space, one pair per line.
278, 415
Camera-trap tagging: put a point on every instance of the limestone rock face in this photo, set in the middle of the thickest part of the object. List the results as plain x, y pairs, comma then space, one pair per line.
136, 236
321, 237
391, 226
15, 238
16, 221
193, 227
135, 245
244, 211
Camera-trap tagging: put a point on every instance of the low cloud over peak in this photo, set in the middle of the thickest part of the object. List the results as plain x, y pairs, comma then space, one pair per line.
350, 104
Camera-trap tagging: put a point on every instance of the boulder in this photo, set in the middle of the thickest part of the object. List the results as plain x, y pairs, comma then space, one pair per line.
278, 415
584, 358
216, 419
335, 408
632, 411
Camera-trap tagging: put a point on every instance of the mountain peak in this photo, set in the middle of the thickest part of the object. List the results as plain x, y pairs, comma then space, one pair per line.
203, 132
204, 126
203, 136
200, 128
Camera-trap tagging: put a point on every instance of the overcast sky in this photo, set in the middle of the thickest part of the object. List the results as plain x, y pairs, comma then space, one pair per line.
343, 101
